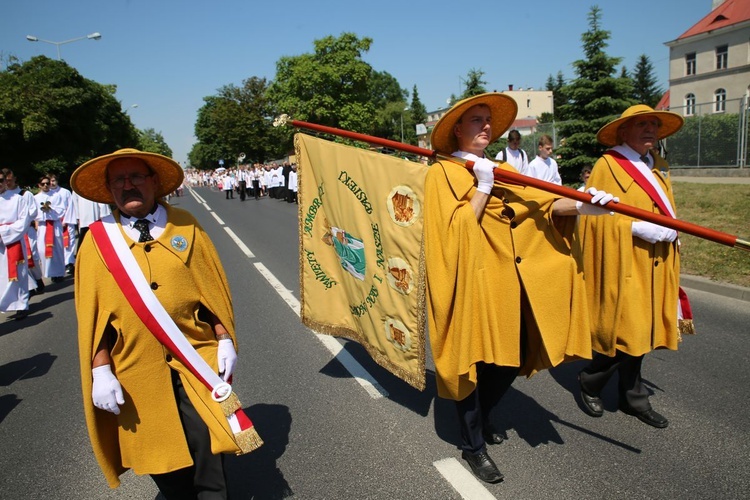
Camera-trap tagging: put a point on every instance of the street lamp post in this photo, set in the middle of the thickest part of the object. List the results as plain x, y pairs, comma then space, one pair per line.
92, 36
402, 123
132, 106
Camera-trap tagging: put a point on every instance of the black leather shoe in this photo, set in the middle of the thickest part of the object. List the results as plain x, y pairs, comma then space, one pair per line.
19, 315
591, 404
483, 467
491, 435
649, 417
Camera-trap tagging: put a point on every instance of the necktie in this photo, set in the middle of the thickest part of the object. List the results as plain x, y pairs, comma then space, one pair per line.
142, 226
644, 159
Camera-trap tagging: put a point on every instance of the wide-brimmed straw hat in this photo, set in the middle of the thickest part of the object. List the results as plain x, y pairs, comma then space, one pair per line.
90, 179
502, 107
670, 123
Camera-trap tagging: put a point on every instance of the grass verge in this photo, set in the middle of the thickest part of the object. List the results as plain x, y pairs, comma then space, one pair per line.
723, 207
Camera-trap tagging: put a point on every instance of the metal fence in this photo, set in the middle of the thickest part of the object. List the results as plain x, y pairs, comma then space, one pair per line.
714, 135
709, 138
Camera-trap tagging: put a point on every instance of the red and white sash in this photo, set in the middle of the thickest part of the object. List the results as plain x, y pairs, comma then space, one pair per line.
654, 191
124, 268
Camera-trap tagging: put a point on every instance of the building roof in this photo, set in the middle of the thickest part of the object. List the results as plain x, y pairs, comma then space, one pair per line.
728, 13
524, 123
664, 101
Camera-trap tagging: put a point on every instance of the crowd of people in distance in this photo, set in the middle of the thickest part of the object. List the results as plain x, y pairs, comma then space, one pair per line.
272, 180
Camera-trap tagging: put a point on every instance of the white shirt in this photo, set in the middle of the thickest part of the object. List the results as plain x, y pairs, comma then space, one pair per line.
515, 158
157, 222
545, 170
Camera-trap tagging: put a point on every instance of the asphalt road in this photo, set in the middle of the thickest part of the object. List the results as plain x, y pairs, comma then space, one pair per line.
329, 437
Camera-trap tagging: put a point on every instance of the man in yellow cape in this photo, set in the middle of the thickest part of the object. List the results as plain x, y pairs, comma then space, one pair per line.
632, 268
505, 295
145, 409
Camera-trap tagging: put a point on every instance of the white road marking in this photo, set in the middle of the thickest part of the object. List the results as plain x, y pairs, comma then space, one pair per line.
240, 243
197, 196
217, 218
462, 480
357, 371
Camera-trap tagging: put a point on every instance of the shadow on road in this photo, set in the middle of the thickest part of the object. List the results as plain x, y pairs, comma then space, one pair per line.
256, 474
7, 403
22, 369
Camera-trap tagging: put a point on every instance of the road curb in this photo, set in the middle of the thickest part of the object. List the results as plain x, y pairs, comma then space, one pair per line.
723, 289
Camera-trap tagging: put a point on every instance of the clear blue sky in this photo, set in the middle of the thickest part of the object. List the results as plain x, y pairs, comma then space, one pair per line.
167, 55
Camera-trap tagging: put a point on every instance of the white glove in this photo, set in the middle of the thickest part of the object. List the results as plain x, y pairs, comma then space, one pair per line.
597, 198
107, 392
652, 232
227, 357
483, 170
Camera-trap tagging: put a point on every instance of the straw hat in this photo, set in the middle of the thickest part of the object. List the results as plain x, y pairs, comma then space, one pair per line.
502, 107
90, 179
670, 123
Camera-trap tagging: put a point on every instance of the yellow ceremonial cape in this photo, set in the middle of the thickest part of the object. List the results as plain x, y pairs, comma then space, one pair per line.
148, 436
632, 285
485, 277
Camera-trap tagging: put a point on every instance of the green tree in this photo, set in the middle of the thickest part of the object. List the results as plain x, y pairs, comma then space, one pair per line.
153, 142
705, 140
593, 98
388, 102
236, 120
328, 87
475, 85
54, 119
645, 88
417, 115
556, 86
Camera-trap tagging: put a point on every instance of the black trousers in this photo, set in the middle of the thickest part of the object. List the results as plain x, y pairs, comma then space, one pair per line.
205, 479
493, 382
242, 189
630, 385
256, 189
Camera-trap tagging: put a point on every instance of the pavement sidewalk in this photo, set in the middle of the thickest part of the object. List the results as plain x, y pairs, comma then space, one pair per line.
711, 180
723, 289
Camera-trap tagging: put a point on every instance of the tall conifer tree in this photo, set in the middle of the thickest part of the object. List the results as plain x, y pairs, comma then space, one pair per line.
645, 88
594, 97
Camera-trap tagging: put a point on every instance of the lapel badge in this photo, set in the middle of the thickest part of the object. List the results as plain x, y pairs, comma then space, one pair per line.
179, 243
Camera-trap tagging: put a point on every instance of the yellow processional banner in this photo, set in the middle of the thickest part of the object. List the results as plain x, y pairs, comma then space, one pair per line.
361, 263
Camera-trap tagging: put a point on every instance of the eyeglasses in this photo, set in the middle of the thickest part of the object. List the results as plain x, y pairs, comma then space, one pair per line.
135, 179
44, 183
